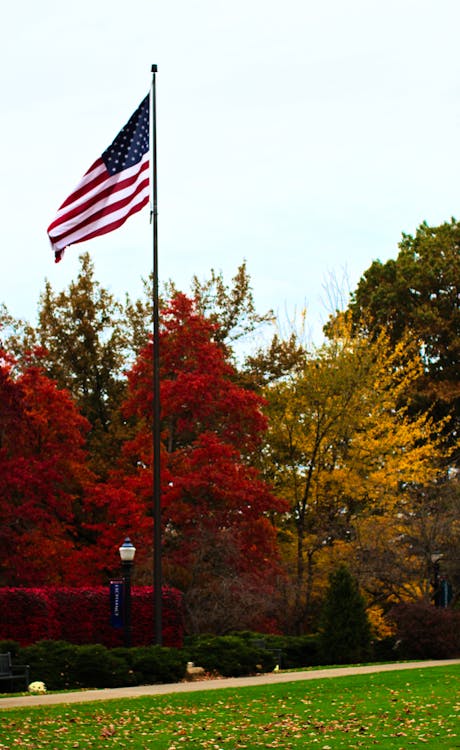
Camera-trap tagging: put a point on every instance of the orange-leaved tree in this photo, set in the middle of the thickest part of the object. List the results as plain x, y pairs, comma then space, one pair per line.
343, 447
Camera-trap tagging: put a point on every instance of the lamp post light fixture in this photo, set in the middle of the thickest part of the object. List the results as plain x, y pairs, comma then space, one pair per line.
127, 552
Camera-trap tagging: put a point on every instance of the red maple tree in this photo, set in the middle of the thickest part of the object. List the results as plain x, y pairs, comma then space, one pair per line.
42, 477
215, 507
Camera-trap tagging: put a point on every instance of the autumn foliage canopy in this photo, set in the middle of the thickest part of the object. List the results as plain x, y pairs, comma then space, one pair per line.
276, 469
62, 524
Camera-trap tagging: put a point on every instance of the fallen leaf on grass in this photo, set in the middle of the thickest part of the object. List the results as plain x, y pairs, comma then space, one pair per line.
108, 731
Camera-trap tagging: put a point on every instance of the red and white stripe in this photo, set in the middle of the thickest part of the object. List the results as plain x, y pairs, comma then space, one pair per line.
100, 203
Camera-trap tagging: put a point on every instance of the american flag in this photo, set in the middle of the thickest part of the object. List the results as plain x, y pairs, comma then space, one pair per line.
114, 187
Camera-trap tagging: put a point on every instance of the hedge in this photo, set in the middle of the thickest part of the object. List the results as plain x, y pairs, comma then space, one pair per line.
426, 632
422, 632
248, 652
67, 666
64, 666
82, 615
296, 650
229, 655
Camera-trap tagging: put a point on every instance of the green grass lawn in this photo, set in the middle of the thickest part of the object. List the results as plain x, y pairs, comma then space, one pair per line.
413, 708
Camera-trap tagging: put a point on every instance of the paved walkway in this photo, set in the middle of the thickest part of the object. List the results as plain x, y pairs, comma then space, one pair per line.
232, 682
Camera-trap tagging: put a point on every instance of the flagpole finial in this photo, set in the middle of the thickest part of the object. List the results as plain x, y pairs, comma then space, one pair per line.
154, 68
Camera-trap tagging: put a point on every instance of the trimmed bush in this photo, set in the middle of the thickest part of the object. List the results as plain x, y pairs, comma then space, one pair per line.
51, 662
229, 655
97, 666
155, 664
296, 651
426, 632
82, 615
11, 646
386, 649
66, 666
28, 615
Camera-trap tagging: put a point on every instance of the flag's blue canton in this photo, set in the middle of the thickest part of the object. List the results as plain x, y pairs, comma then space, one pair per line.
131, 143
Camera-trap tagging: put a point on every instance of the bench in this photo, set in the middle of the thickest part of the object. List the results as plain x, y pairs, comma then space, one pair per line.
277, 652
10, 671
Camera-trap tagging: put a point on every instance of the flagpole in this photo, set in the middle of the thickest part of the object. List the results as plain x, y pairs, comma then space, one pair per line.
157, 572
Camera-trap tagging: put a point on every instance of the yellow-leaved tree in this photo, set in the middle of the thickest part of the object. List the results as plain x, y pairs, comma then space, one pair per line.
341, 447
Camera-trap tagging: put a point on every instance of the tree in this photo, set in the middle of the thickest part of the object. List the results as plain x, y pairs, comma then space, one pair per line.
82, 332
419, 294
215, 507
345, 633
281, 358
230, 309
396, 554
87, 339
16, 336
43, 475
341, 445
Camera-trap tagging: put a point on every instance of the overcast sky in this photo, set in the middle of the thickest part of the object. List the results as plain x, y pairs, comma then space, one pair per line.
303, 137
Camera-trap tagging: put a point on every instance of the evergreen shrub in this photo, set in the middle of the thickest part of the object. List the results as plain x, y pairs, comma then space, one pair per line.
345, 632
51, 662
153, 664
228, 655
97, 666
296, 651
67, 666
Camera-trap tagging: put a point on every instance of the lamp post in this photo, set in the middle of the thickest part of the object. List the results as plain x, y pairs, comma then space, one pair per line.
127, 552
435, 558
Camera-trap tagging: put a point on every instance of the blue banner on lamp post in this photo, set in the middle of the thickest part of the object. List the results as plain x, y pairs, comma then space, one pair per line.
116, 604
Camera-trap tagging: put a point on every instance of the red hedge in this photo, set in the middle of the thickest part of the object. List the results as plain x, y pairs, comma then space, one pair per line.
82, 615
427, 632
